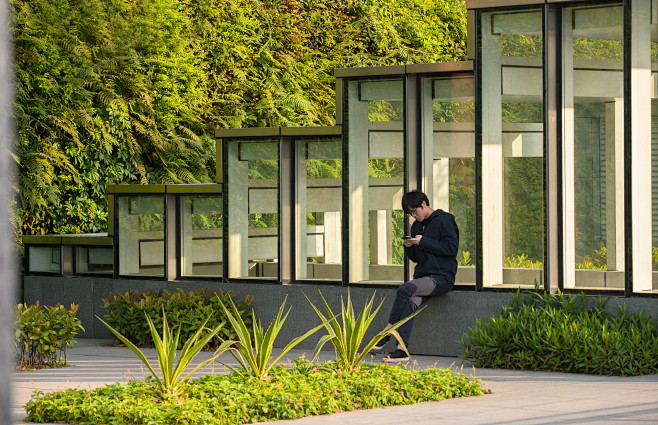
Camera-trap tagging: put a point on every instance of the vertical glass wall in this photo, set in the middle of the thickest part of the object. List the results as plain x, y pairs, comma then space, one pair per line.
253, 208
201, 235
375, 137
513, 183
644, 127
44, 259
319, 205
141, 234
94, 260
653, 30
448, 116
593, 125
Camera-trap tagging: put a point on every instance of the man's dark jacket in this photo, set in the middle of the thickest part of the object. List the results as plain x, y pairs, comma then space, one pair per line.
436, 254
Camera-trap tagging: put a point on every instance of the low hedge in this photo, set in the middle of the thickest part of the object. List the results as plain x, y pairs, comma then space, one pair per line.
235, 399
44, 333
189, 310
565, 334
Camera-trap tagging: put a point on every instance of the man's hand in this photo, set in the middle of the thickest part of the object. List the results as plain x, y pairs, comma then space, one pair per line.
412, 241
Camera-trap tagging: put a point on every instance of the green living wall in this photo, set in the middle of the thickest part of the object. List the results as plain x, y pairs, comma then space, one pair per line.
116, 91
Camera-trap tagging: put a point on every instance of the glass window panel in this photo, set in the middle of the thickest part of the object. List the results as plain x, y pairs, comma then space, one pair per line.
201, 235
141, 233
319, 205
253, 215
45, 259
654, 176
375, 135
594, 146
652, 50
94, 260
513, 180
449, 155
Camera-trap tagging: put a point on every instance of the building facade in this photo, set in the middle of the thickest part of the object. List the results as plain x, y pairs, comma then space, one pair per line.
543, 144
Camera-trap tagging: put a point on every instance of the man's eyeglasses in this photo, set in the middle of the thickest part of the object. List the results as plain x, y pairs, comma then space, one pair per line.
413, 211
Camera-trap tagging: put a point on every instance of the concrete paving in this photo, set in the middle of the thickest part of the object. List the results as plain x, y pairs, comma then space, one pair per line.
517, 397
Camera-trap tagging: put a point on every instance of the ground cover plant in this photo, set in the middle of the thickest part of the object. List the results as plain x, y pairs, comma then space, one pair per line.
44, 334
287, 393
260, 390
566, 334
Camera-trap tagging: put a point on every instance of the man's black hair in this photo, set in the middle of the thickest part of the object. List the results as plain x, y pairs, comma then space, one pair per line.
413, 199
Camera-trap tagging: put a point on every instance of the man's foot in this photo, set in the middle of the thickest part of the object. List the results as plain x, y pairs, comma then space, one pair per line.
396, 356
382, 342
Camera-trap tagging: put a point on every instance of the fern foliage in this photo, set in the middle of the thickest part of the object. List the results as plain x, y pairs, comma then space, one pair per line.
114, 91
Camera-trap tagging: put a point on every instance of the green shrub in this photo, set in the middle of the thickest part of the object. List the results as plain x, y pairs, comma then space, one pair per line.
189, 310
466, 260
44, 333
597, 261
522, 262
566, 334
235, 399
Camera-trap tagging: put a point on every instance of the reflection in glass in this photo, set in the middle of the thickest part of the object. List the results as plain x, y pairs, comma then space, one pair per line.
94, 260
201, 235
513, 207
649, 18
449, 155
253, 215
319, 186
375, 136
594, 146
141, 232
654, 170
45, 259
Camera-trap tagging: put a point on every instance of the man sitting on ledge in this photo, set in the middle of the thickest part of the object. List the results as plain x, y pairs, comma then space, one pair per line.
433, 246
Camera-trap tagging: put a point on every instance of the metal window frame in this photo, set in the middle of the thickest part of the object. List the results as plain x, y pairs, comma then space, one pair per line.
550, 110
226, 136
394, 72
132, 190
293, 135
48, 241
179, 229
462, 72
557, 73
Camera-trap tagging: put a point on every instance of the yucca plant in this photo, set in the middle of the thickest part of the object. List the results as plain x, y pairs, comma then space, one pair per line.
254, 345
169, 378
347, 334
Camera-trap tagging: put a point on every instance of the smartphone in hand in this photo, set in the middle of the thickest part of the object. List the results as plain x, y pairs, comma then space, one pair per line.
406, 237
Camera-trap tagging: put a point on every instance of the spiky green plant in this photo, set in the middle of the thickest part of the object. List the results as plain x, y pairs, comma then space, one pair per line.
347, 334
254, 346
169, 378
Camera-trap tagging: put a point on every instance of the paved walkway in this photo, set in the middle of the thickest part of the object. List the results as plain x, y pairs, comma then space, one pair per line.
518, 397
